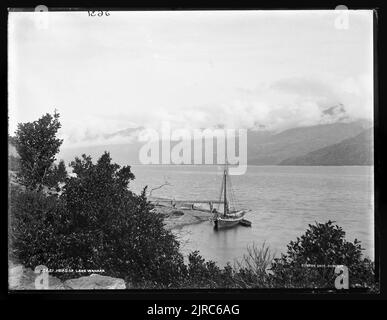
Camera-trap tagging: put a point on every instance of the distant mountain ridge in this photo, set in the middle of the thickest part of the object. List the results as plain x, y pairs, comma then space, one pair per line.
275, 148
263, 147
357, 150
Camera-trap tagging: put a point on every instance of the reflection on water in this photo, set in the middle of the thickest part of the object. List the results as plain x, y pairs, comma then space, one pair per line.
283, 200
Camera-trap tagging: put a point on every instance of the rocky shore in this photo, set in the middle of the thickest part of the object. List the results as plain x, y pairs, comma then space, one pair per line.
22, 278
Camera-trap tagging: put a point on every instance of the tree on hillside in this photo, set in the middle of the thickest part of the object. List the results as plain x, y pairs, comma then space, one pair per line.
37, 144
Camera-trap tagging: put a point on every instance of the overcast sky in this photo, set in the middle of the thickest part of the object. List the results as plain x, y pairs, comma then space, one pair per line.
277, 69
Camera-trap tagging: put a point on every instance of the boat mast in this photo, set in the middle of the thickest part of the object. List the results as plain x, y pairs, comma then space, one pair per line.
225, 191
225, 210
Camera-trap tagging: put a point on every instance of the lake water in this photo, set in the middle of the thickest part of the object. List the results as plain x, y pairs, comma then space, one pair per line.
283, 200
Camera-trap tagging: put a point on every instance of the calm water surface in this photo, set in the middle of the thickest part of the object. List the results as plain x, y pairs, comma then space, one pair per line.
283, 201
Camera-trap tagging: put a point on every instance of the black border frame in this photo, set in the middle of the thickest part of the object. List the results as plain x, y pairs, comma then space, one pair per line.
229, 295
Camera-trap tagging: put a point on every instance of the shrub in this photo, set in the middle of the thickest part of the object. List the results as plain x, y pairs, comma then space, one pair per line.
96, 223
199, 273
252, 270
35, 227
202, 274
248, 272
322, 246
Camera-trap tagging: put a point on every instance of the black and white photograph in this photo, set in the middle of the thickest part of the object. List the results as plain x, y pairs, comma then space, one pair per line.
191, 149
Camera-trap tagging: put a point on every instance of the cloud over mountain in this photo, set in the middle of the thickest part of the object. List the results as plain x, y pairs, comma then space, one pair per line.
191, 69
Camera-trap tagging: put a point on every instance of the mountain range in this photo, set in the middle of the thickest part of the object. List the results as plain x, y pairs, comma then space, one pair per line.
338, 143
353, 151
275, 148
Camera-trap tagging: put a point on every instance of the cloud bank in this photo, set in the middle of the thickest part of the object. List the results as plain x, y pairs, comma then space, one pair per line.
270, 70
284, 104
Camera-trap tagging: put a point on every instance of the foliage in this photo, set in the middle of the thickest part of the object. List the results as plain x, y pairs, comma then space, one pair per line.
310, 260
253, 268
56, 177
35, 220
37, 145
321, 245
96, 223
129, 238
249, 272
202, 274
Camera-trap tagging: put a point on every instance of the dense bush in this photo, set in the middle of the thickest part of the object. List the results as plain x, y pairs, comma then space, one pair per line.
310, 259
129, 238
248, 272
96, 223
28, 212
56, 177
206, 274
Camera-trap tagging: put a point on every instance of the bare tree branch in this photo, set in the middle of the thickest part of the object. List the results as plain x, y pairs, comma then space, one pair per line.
166, 183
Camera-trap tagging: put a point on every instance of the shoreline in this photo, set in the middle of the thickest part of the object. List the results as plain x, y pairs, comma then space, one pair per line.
177, 218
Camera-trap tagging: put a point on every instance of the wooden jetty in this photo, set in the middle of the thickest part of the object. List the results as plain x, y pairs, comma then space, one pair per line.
190, 203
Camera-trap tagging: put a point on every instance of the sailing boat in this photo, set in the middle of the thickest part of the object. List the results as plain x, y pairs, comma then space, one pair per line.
230, 216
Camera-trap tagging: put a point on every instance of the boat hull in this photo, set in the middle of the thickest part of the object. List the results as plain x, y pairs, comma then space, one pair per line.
228, 222
220, 224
